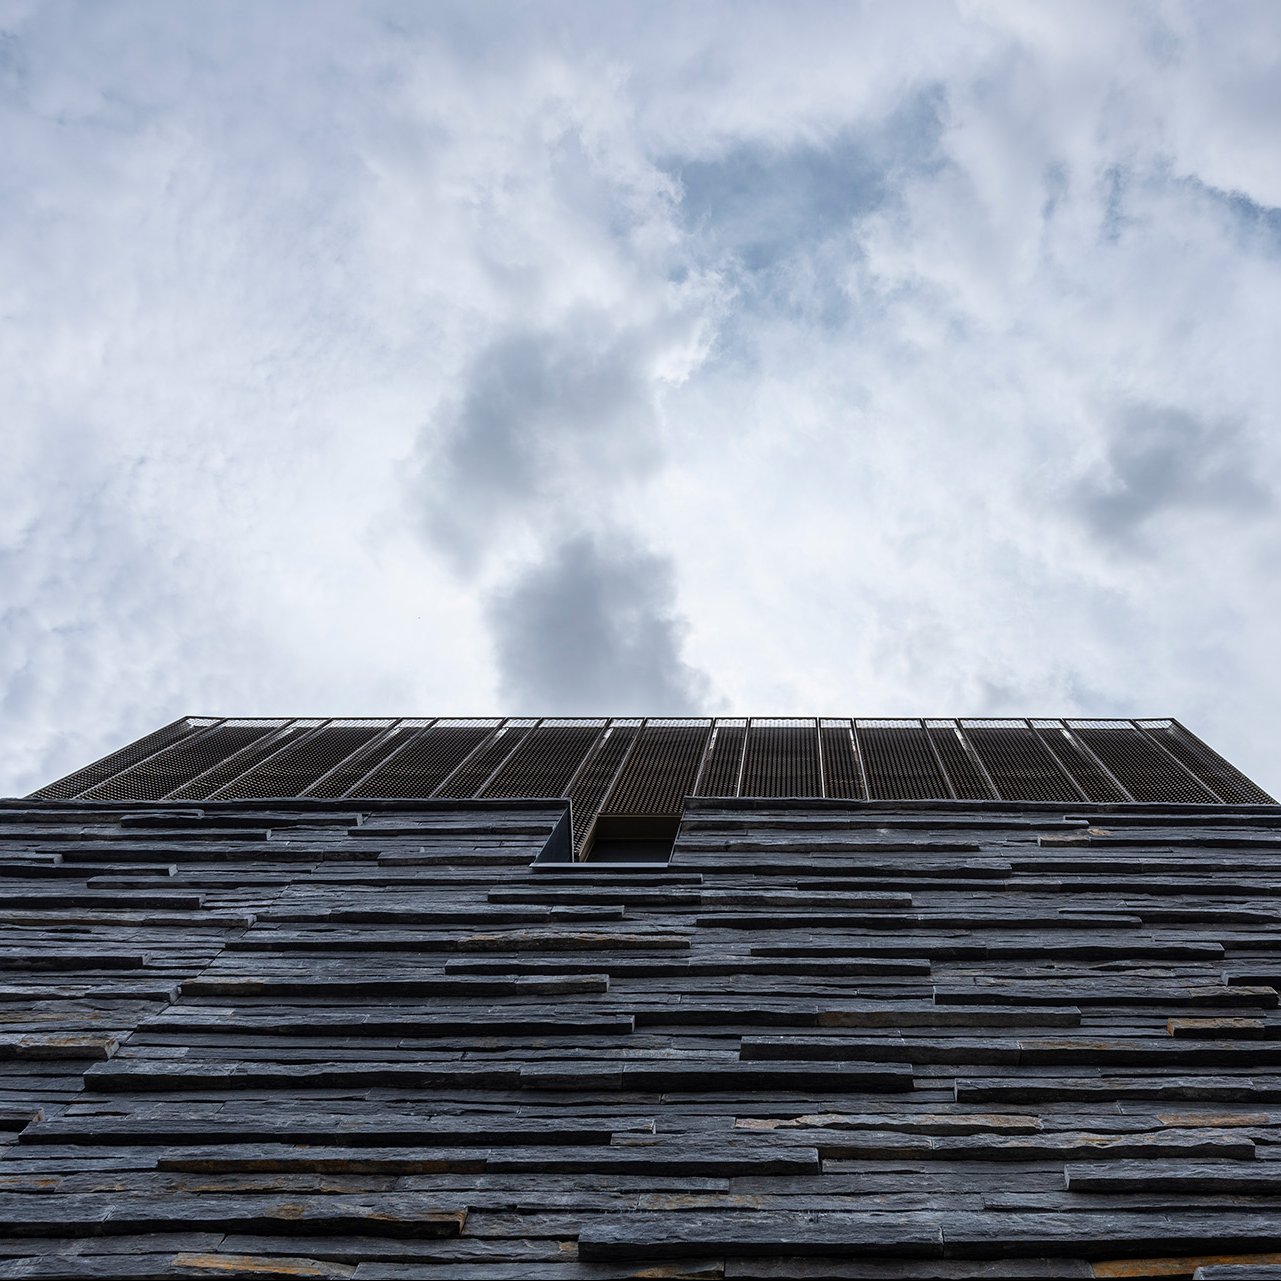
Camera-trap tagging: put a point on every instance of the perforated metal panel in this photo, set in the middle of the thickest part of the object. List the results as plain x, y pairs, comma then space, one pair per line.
623, 770
724, 760
345, 775
424, 760
781, 759
899, 761
964, 773
1020, 764
78, 783
167, 771
475, 771
1226, 781
251, 757
1080, 766
661, 769
545, 762
1140, 766
292, 770
842, 776
591, 784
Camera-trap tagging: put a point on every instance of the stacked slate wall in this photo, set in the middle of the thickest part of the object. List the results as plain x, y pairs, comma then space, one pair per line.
370, 1040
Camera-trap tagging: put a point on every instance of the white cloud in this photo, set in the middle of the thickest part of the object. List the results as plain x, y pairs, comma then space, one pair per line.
933, 349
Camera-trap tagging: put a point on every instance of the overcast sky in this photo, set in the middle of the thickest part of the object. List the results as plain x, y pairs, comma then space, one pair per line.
772, 358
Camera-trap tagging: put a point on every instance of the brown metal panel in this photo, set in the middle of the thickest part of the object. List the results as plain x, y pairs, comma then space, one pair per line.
78, 783
545, 762
347, 773
963, 771
1082, 768
842, 777
724, 760
472, 775
248, 758
589, 787
1222, 778
1104, 761
424, 760
1019, 763
164, 773
291, 771
1139, 765
899, 761
782, 759
661, 769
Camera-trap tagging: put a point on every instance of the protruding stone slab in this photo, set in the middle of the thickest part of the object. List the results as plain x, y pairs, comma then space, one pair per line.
765, 1233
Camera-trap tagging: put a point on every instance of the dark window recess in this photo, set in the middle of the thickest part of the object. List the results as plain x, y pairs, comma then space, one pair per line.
632, 838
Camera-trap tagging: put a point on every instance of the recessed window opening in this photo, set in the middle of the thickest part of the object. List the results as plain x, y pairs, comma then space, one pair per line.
632, 838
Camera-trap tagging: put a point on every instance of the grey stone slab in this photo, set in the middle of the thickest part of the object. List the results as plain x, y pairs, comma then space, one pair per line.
1179, 1179
767, 1233
79, 1216
846, 1269
385, 1130
1104, 1234
1098, 1089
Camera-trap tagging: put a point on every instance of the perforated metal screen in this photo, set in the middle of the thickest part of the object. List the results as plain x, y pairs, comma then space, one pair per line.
596, 776
78, 785
1227, 782
1020, 764
842, 775
546, 760
901, 764
159, 774
782, 759
724, 760
661, 768
636, 767
965, 774
420, 764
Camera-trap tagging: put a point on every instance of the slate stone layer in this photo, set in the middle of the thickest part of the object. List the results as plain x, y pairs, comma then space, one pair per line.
832, 1039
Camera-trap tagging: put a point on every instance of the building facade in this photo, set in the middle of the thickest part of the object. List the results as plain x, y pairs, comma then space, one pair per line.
282, 1005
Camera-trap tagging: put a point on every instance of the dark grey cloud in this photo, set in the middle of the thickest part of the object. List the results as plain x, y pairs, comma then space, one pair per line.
594, 628
542, 413
1161, 463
